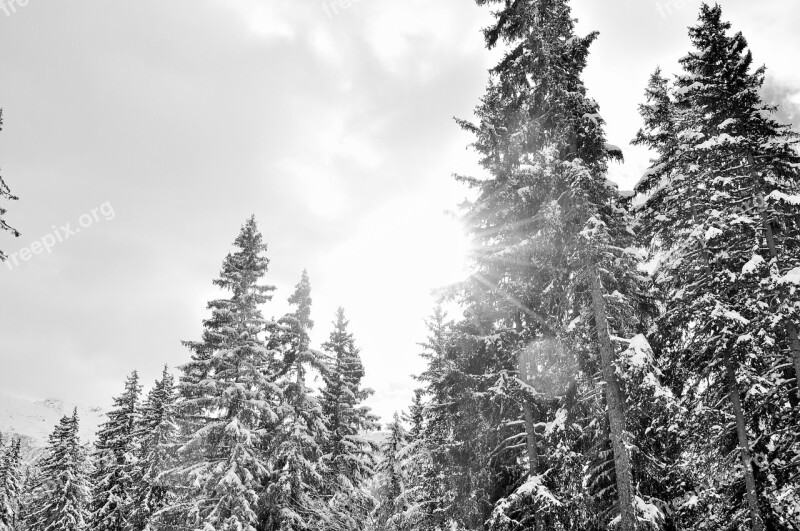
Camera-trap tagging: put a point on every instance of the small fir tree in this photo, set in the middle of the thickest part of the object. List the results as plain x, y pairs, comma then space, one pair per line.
115, 460
61, 496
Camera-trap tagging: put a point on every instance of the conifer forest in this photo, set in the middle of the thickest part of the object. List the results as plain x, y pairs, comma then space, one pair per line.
615, 360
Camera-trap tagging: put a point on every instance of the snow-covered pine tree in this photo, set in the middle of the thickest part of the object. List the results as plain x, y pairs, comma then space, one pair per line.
414, 466
725, 256
227, 400
10, 484
416, 416
5, 193
156, 434
557, 265
61, 497
115, 460
3, 474
425, 476
452, 481
294, 499
391, 468
27, 498
348, 455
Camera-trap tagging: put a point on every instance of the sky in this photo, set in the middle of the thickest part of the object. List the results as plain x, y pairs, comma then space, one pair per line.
140, 135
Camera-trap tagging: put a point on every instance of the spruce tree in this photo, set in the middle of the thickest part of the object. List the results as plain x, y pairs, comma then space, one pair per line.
348, 456
448, 482
156, 434
31, 478
10, 484
294, 493
3, 474
557, 267
391, 468
718, 214
115, 459
61, 497
227, 399
5, 193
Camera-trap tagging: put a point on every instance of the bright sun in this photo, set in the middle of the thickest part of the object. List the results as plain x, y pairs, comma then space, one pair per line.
446, 243
402, 248
385, 274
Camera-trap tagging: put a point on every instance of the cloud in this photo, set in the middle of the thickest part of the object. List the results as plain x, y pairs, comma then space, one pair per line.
188, 116
786, 96
266, 20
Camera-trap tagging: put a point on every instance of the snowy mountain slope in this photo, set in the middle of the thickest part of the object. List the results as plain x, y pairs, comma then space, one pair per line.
35, 420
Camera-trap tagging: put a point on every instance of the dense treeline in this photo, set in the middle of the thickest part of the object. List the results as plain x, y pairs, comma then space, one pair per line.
624, 361
239, 442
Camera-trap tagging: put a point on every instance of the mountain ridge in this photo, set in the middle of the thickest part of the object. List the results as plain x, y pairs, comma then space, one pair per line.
34, 420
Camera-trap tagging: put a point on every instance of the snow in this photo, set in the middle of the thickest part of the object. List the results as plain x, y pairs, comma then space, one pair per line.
792, 277
686, 89
613, 149
649, 512
717, 141
557, 423
534, 484
736, 316
639, 352
786, 198
712, 233
593, 225
691, 135
594, 117
753, 264
745, 338
764, 114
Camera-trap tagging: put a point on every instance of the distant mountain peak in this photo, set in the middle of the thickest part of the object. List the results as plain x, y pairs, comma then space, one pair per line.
35, 419
53, 404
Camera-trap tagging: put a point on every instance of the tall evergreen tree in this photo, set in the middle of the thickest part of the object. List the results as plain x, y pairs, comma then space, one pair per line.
5, 193
556, 268
61, 498
719, 212
115, 459
450, 462
348, 455
156, 434
228, 399
10, 483
294, 493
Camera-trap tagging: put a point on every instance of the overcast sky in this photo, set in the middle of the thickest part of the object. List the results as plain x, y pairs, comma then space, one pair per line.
140, 135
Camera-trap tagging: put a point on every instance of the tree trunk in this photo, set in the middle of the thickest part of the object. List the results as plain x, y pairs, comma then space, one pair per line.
757, 523
791, 327
533, 454
794, 345
616, 413
530, 426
